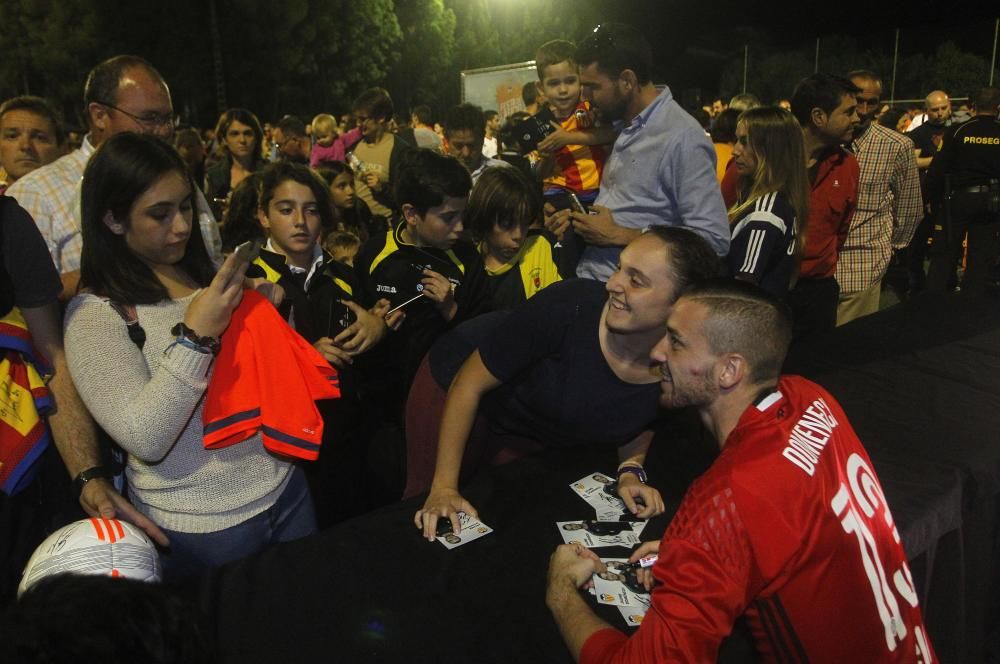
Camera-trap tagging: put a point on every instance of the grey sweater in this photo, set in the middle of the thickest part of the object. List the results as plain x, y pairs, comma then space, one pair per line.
150, 402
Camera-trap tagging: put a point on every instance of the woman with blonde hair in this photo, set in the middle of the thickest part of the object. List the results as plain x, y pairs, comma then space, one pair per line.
768, 221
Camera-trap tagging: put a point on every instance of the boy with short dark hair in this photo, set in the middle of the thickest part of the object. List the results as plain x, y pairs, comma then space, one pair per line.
464, 135
573, 155
423, 264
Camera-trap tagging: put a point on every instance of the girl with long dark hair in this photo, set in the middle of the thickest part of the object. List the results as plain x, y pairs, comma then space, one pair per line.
144, 259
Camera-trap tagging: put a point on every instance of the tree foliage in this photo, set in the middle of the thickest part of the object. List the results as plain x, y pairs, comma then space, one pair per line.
29, 63
294, 56
308, 56
772, 74
477, 41
424, 72
300, 56
954, 70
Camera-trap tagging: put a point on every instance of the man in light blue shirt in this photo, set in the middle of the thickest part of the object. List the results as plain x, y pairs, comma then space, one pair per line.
662, 168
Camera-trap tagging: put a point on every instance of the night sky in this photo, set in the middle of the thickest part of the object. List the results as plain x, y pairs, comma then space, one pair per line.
693, 40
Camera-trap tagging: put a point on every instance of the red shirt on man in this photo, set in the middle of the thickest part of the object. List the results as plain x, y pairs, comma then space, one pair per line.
789, 527
831, 204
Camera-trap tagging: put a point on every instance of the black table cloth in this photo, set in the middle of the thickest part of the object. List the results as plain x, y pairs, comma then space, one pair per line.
919, 382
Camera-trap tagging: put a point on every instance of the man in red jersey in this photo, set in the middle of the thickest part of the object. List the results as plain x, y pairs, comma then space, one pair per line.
789, 526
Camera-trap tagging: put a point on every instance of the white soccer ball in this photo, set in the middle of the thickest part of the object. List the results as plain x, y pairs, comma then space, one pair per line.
94, 546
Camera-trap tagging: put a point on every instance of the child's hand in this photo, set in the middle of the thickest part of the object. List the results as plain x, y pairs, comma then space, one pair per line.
336, 356
274, 293
441, 292
393, 320
367, 330
557, 222
555, 141
373, 181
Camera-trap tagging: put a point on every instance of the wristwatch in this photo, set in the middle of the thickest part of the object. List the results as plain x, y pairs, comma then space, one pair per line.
635, 470
90, 474
205, 344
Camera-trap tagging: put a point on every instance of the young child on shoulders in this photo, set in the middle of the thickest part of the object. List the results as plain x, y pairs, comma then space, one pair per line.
324, 129
573, 156
504, 216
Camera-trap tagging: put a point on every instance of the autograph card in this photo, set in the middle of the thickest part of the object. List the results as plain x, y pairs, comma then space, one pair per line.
472, 529
592, 484
573, 532
633, 615
610, 589
610, 586
591, 489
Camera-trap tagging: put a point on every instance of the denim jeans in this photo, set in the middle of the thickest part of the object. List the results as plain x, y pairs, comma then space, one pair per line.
290, 518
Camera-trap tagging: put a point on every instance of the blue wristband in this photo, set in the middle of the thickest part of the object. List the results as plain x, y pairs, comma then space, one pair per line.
635, 470
187, 343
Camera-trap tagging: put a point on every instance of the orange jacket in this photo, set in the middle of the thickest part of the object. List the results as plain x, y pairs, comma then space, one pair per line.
267, 378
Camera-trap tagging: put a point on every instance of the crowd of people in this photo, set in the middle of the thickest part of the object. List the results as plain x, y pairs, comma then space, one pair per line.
479, 300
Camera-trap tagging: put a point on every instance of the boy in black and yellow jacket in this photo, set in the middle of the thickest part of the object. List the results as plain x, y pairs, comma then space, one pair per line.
318, 309
320, 302
424, 265
520, 257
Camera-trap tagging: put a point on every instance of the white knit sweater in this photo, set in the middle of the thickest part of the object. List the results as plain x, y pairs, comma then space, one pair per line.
150, 402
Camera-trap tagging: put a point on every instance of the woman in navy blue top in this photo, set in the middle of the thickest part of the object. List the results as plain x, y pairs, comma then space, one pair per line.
768, 221
570, 366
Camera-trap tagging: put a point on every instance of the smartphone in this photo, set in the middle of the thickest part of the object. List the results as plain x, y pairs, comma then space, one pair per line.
575, 203
532, 130
248, 251
632, 582
566, 200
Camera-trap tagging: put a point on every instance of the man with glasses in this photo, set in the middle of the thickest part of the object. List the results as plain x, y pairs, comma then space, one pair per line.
290, 140
124, 93
661, 171
889, 205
